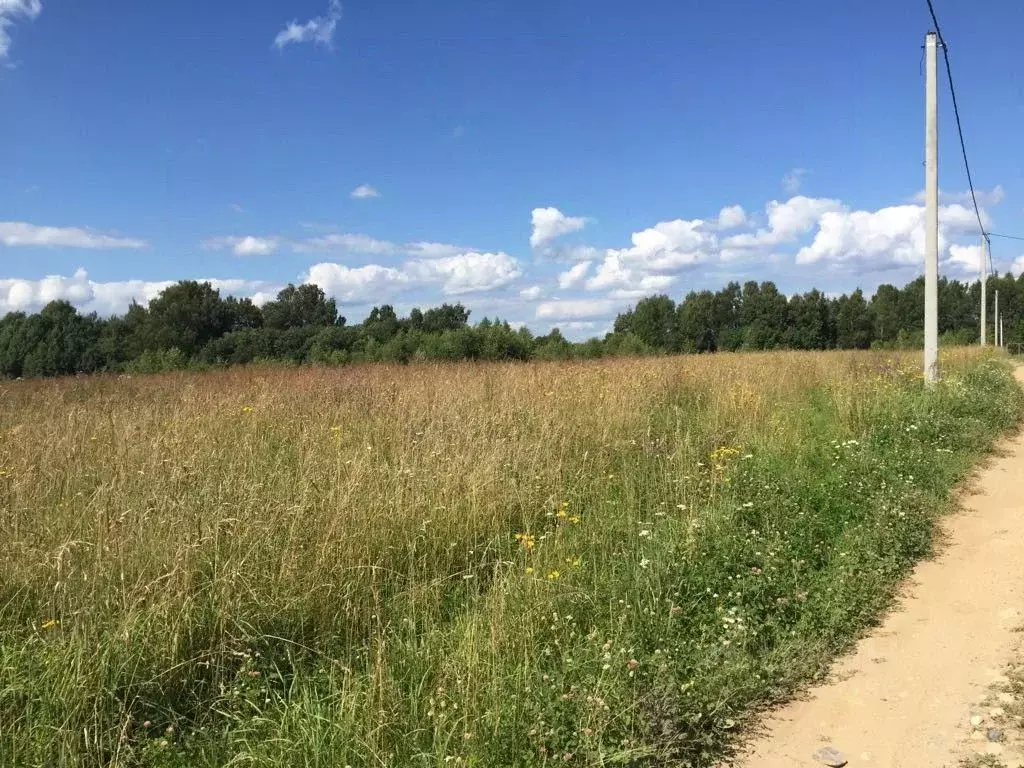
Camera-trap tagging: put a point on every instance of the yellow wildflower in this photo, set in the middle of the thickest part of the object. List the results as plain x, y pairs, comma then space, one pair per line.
50, 624
527, 541
529, 569
247, 409
553, 575
574, 519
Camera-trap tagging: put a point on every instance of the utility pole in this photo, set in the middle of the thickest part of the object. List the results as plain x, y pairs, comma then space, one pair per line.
931, 215
1002, 339
984, 281
995, 330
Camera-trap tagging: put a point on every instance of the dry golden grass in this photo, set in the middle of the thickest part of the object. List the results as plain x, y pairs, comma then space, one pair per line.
160, 532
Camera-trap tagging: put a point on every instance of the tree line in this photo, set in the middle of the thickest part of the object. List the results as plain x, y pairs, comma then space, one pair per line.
191, 325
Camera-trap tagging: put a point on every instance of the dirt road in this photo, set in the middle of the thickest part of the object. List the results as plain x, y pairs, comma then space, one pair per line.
919, 690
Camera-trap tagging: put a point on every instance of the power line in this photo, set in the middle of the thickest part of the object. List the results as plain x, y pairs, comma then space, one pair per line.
1006, 237
956, 111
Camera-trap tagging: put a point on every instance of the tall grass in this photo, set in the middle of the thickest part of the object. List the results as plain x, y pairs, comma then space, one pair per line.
608, 563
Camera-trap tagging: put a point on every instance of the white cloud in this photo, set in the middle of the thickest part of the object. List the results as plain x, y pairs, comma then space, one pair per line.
793, 180
319, 30
550, 223
10, 10
532, 293
357, 284
104, 298
574, 276
990, 197
1018, 266
667, 247
423, 250
892, 236
467, 272
353, 243
335, 242
576, 309
965, 259
364, 192
732, 217
20, 233
787, 222
463, 273
245, 245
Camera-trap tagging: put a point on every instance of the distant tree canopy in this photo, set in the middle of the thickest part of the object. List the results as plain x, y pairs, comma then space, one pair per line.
191, 324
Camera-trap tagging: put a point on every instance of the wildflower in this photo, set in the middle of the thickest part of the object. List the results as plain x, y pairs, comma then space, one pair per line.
645, 534
675, 610
553, 575
527, 541
561, 514
574, 519
645, 562
335, 429
575, 562
50, 624
146, 724
247, 409
529, 570
632, 664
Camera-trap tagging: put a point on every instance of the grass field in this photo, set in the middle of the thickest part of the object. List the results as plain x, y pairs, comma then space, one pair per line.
606, 563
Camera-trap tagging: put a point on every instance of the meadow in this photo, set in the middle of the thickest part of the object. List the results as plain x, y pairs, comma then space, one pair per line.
615, 562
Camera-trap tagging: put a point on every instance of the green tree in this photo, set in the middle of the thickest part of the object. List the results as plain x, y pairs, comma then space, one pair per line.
187, 316
300, 306
854, 324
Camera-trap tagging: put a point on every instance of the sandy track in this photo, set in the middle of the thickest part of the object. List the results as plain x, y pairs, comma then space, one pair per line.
906, 696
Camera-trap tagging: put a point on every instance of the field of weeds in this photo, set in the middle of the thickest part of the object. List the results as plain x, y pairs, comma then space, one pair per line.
603, 563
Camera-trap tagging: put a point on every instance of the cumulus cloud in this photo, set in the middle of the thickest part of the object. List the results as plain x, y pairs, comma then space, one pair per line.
20, 233
104, 298
574, 276
319, 30
463, 273
357, 284
11, 11
576, 309
656, 253
965, 259
467, 272
551, 223
364, 192
732, 217
787, 222
245, 245
532, 293
1018, 266
892, 236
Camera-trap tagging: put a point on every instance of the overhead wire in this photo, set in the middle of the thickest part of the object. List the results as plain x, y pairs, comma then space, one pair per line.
956, 112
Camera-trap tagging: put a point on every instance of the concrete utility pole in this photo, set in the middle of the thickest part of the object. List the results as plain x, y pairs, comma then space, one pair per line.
1002, 339
931, 215
984, 281
995, 330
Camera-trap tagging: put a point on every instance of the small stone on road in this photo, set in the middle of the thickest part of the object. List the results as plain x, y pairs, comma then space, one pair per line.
831, 757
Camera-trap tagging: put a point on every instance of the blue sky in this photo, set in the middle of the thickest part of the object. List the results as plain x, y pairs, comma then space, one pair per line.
548, 161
